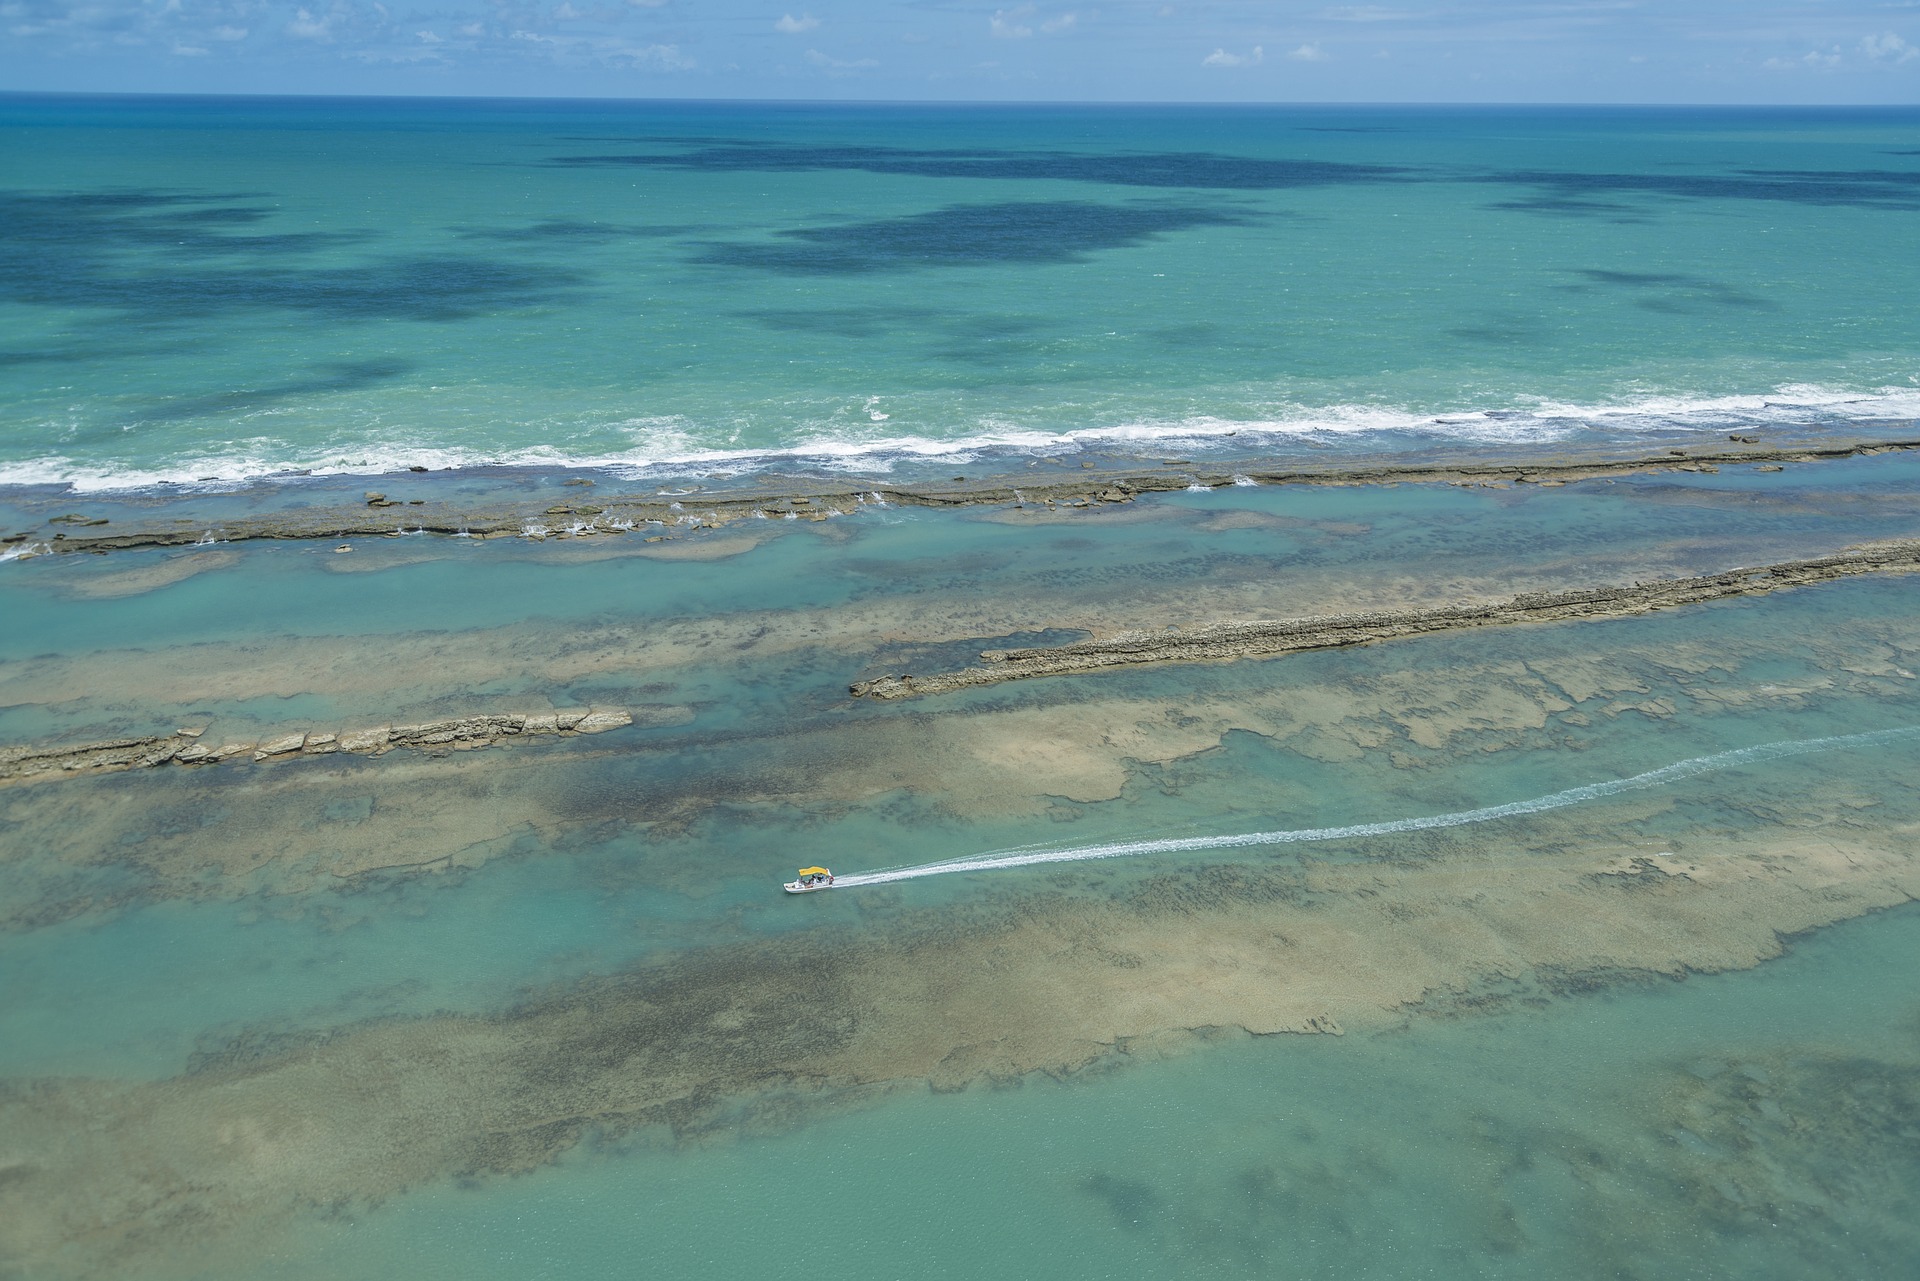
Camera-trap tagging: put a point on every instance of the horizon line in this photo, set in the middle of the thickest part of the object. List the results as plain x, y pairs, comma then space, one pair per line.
723, 100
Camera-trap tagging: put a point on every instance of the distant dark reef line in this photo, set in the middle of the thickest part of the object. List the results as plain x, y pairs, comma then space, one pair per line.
663, 514
1232, 640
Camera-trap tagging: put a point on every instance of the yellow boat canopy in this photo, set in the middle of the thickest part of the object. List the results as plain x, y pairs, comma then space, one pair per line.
814, 871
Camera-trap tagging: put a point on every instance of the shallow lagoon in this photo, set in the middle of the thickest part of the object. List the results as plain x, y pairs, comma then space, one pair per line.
269, 952
1749, 1125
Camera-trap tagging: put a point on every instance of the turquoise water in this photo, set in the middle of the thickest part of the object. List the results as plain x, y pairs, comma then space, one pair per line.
540, 1010
1551, 1142
227, 288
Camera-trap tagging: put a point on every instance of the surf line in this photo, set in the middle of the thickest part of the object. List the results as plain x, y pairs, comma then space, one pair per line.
1029, 857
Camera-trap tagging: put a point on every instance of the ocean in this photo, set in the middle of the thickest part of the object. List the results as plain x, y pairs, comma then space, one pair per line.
460, 558
232, 288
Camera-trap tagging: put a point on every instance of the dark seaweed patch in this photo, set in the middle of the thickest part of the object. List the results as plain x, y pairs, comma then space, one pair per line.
161, 256
1200, 169
1670, 292
1130, 1201
1573, 207
575, 232
329, 379
1032, 232
1572, 192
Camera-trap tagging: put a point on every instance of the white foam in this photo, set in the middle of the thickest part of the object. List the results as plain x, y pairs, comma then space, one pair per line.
666, 445
1029, 857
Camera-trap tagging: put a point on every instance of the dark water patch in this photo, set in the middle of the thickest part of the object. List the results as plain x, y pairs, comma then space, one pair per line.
51, 356
1571, 207
1803, 1138
163, 256
437, 288
1131, 1202
330, 379
1032, 232
1670, 292
572, 231
1865, 188
152, 216
1499, 331
1135, 169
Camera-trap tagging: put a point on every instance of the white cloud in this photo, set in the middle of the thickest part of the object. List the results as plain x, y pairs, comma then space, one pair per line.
474, 29
1310, 53
1221, 58
1888, 47
819, 59
607, 50
1812, 59
307, 27
1009, 24
566, 13
659, 57
1022, 22
427, 37
794, 26
189, 51
646, 4
229, 33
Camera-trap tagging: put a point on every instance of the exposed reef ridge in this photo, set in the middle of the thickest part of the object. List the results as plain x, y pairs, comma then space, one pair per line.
665, 512
184, 747
1219, 641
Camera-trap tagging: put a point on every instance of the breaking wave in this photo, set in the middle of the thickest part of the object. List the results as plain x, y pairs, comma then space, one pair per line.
662, 447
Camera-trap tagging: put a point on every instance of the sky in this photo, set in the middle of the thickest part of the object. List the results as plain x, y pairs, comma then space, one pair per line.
1602, 51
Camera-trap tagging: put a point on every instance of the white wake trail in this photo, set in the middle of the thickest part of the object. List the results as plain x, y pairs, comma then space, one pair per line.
1028, 857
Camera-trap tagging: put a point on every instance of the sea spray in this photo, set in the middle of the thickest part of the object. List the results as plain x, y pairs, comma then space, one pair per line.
1028, 856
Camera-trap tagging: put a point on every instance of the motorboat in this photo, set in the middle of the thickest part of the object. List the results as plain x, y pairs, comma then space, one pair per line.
809, 879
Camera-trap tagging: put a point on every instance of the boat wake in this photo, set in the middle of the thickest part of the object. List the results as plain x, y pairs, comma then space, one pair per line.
1029, 857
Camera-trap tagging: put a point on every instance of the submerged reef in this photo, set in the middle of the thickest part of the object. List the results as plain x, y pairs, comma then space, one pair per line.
620, 890
106, 1176
1220, 641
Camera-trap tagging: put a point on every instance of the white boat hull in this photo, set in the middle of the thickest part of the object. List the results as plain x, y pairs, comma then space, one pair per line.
795, 887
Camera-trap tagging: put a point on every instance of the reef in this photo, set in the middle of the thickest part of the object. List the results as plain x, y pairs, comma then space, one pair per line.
664, 513
1232, 640
183, 747
107, 1176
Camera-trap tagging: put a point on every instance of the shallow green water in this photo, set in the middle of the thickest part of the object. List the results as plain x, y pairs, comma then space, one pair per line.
1551, 1141
189, 931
